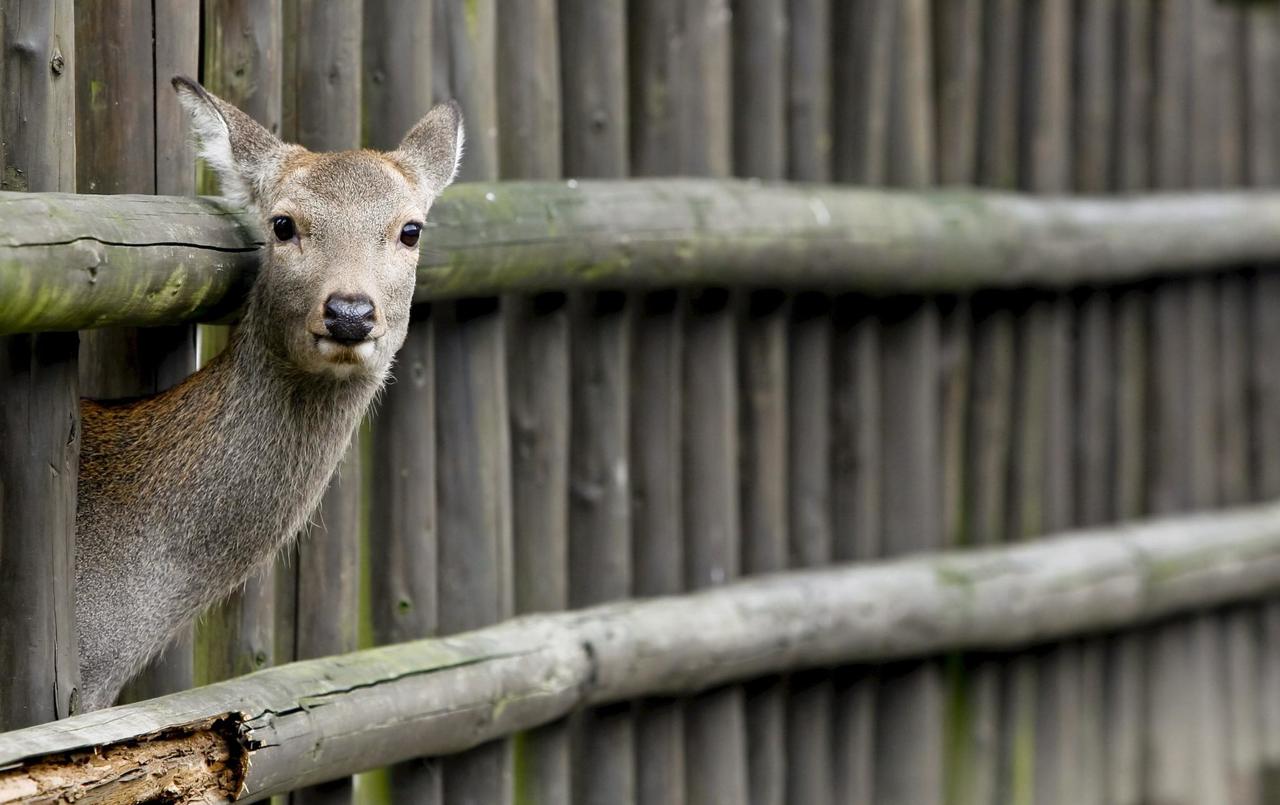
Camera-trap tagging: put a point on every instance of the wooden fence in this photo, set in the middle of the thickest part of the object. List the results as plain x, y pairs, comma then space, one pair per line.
648, 388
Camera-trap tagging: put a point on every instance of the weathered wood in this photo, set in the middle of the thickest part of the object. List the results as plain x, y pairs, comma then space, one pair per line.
600, 547
715, 730
856, 533
121, 144
402, 520
528, 89
191, 259
464, 34
538, 379
957, 69
396, 70
809, 94
388, 703
473, 482
810, 538
999, 119
910, 697
656, 504
242, 56
759, 89
860, 122
593, 85
651, 32
39, 397
763, 479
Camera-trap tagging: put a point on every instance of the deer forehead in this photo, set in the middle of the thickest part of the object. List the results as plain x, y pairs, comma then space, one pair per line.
348, 194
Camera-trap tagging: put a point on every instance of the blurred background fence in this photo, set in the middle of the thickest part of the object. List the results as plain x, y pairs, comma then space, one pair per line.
541, 452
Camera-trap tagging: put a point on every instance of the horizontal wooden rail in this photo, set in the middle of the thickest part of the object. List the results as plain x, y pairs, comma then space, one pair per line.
75, 262
302, 723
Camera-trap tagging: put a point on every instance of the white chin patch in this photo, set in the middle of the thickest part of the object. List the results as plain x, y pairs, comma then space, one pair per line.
344, 360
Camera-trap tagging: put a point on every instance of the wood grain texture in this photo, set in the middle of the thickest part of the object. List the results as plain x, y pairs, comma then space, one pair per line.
39, 394
124, 146
759, 83
382, 705
528, 89
809, 91
593, 86
763, 472
464, 44
656, 504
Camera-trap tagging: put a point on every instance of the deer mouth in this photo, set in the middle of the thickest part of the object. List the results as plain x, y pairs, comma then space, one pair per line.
339, 351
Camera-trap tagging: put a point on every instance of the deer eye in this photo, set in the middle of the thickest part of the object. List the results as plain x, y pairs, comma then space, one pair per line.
282, 226
410, 233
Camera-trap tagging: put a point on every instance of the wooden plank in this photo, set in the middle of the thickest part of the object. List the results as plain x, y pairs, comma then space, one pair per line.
909, 708
856, 533
653, 108
763, 431
464, 43
593, 85
242, 52
117, 139
657, 524
528, 94
957, 69
538, 368
999, 119
403, 554
862, 83
809, 525
1262, 168
704, 92
1094, 448
39, 397
1125, 698
715, 744
397, 69
538, 380
809, 91
760, 89
473, 482
322, 92
600, 548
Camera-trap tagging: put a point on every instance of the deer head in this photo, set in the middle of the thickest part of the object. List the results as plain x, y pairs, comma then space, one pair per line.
342, 230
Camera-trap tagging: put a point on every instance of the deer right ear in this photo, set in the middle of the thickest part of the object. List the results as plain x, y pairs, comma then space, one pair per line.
433, 148
243, 154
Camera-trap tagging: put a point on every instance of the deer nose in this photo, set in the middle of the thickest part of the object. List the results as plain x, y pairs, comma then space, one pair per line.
348, 318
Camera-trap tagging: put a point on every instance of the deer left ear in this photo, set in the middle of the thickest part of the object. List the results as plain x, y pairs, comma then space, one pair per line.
433, 148
245, 155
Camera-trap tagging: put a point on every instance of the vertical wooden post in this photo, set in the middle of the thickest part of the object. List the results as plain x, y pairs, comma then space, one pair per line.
594, 88
321, 109
473, 447
909, 711
242, 56
760, 151
809, 90
657, 401
957, 67
857, 527
809, 524
126, 145
593, 83
396, 91
1094, 447
762, 369
1262, 168
656, 504
39, 398
715, 747
863, 31
600, 524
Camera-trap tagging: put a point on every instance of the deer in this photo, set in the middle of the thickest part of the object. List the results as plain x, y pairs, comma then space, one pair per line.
185, 494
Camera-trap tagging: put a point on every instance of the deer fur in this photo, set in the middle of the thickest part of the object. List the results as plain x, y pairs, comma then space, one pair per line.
185, 494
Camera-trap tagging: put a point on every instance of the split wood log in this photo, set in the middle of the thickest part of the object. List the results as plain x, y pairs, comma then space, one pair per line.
307, 722
69, 262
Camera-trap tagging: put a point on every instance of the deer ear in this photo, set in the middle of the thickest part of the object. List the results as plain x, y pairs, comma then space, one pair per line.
244, 155
433, 148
